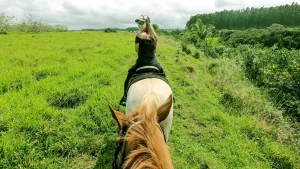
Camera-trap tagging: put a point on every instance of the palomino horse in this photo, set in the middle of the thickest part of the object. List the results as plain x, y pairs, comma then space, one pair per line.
145, 128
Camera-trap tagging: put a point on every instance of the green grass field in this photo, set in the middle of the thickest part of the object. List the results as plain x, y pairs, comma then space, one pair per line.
55, 88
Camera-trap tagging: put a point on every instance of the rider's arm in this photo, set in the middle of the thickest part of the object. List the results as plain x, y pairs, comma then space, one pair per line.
137, 45
137, 42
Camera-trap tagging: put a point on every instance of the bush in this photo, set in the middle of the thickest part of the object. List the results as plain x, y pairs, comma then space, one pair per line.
3, 32
108, 30
274, 35
277, 71
185, 48
276, 27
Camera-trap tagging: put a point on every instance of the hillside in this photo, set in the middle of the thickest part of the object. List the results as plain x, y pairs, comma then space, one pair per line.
55, 87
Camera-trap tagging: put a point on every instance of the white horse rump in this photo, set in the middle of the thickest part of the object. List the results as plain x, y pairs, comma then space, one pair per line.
146, 88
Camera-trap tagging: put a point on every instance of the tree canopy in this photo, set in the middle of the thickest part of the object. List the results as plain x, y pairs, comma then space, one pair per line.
286, 15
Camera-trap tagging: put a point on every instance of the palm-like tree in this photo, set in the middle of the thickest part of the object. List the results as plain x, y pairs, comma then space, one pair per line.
202, 30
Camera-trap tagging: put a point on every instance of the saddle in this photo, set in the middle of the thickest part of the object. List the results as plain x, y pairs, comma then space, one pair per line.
147, 69
146, 72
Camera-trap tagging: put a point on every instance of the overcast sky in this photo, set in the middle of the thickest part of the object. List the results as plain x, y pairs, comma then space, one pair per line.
81, 14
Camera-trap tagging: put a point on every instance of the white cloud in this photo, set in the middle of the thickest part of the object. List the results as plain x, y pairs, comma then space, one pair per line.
228, 3
80, 14
73, 9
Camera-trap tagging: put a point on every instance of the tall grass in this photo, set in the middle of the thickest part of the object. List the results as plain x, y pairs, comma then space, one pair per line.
55, 87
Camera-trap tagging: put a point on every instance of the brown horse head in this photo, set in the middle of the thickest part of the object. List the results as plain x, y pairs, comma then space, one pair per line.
141, 141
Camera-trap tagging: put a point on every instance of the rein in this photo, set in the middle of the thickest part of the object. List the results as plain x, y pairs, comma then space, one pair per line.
120, 150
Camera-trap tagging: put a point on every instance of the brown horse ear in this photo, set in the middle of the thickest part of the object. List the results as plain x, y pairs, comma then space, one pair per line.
164, 110
120, 118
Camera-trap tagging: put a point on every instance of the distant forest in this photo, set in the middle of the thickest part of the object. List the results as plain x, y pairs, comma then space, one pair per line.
286, 15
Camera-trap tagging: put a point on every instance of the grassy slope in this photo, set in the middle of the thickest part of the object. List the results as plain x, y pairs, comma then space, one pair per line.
55, 88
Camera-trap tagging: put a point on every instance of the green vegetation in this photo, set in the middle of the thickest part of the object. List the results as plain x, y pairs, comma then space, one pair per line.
269, 58
26, 24
274, 36
108, 30
55, 87
287, 15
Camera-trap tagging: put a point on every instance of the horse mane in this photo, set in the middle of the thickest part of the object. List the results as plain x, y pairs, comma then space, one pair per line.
145, 150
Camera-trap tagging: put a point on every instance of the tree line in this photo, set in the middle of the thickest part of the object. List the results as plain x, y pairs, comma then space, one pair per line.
27, 24
286, 15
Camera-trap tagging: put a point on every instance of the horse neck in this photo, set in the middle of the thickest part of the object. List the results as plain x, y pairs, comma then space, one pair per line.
160, 148
163, 153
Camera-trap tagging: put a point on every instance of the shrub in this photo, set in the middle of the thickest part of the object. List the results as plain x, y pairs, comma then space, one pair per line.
274, 35
277, 71
196, 55
108, 30
185, 48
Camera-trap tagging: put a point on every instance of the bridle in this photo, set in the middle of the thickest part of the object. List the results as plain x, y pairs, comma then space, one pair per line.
120, 149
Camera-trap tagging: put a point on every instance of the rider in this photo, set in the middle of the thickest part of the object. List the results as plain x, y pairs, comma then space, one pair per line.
145, 46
